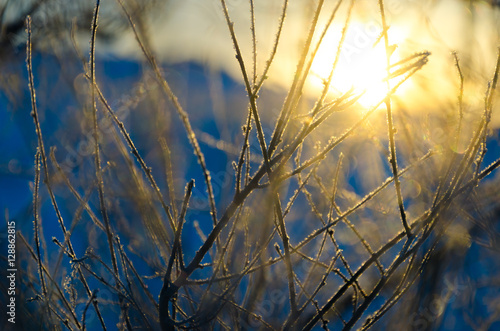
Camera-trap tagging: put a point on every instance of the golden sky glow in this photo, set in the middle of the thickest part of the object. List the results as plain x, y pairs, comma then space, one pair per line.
361, 65
198, 32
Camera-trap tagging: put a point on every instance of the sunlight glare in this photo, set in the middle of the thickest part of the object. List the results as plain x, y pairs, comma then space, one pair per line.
361, 65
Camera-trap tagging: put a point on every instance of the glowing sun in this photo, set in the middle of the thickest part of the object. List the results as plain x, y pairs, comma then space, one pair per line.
361, 64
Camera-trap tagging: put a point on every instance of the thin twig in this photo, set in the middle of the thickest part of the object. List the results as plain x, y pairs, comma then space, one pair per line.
328, 81
169, 176
391, 130
41, 147
135, 152
84, 314
252, 97
53, 283
77, 195
254, 45
277, 38
177, 249
183, 115
164, 299
245, 150
489, 103
100, 183
288, 262
36, 222
296, 88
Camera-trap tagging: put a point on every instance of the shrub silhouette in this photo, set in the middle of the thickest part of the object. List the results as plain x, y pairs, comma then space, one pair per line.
326, 213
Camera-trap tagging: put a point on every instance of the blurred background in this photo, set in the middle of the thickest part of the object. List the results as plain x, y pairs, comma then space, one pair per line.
460, 287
